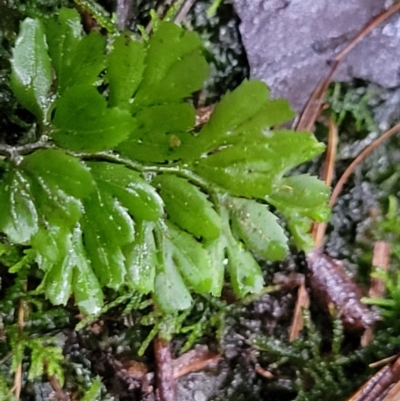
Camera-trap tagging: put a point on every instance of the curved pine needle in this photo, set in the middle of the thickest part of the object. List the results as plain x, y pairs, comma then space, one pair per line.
349, 171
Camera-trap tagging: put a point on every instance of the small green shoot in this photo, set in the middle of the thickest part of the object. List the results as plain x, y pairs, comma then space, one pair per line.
213, 8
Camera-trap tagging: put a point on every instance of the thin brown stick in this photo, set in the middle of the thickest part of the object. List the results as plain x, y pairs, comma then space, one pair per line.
312, 109
359, 159
17, 382
380, 260
55, 384
194, 360
384, 361
18, 372
183, 11
302, 302
327, 175
166, 384
377, 286
329, 167
262, 372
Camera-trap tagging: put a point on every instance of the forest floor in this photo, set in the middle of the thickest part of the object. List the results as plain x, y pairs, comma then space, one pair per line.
230, 349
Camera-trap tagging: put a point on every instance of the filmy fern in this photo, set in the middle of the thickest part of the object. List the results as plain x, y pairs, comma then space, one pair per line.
119, 189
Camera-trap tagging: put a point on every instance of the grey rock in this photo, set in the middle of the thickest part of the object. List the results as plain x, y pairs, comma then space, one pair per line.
289, 43
201, 386
43, 391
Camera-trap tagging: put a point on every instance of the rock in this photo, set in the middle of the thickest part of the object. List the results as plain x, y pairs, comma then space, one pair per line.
289, 43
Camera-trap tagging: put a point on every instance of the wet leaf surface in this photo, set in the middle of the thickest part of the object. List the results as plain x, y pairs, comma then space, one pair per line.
85, 124
175, 67
258, 228
125, 70
31, 68
181, 199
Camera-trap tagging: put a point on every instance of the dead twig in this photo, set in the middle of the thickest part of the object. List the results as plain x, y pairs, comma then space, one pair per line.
329, 166
377, 287
380, 260
327, 175
312, 109
379, 387
302, 302
183, 11
136, 374
17, 387
383, 361
61, 395
194, 360
262, 372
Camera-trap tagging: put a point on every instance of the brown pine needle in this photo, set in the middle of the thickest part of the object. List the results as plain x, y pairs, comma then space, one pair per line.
327, 175
380, 260
384, 361
194, 360
302, 302
329, 167
262, 372
183, 11
55, 384
313, 107
349, 171
18, 372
